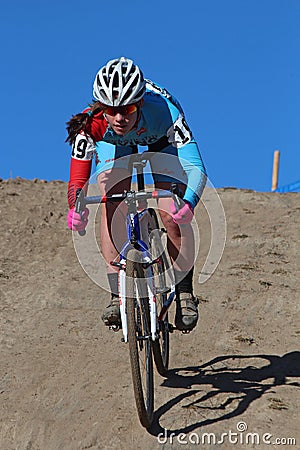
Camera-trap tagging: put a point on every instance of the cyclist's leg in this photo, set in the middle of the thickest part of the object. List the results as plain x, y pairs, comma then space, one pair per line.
166, 169
181, 245
113, 176
180, 238
113, 214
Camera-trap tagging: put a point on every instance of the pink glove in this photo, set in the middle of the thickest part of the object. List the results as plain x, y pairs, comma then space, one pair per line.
184, 215
75, 222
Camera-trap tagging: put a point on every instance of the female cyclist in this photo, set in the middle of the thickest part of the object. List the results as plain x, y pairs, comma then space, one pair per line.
129, 111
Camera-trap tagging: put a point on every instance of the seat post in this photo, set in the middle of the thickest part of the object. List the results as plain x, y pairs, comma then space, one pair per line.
139, 162
140, 175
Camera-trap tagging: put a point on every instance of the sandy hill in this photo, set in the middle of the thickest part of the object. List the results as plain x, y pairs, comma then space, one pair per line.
65, 379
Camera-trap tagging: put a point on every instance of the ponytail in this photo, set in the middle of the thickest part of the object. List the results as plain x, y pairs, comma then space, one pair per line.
75, 125
78, 122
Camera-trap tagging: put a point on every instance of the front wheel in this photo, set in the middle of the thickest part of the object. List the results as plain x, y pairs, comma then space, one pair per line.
139, 337
161, 346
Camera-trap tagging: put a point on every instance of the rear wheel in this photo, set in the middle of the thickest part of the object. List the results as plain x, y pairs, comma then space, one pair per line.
139, 337
161, 346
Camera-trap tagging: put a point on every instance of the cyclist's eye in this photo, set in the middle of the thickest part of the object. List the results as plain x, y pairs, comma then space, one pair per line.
122, 111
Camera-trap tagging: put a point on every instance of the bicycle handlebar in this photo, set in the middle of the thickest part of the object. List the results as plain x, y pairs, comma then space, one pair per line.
130, 196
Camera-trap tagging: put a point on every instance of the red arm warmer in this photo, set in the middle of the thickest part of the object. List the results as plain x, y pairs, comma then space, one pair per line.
79, 176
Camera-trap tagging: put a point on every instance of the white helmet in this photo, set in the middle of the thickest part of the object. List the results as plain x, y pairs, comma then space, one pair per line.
119, 83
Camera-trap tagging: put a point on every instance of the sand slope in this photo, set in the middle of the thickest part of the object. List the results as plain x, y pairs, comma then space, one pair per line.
65, 379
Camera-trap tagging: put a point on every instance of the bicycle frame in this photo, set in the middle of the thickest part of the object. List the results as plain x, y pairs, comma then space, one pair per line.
134, 229
137, 221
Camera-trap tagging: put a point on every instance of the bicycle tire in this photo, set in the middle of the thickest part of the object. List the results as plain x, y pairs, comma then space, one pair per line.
139, 337
161, 346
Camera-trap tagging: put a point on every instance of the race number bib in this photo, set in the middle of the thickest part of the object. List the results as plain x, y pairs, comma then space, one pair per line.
179, 133
83, 147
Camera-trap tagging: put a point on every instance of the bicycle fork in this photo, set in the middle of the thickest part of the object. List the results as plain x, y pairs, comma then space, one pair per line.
151, 297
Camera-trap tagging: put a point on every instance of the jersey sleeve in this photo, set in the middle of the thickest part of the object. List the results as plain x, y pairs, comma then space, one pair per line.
83, 151
192, 163
180, 136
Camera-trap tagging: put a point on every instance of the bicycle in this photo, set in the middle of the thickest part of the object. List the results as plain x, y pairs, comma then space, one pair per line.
145, 297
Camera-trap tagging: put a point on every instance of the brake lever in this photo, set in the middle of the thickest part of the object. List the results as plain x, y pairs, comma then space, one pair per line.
177, 196
79, 207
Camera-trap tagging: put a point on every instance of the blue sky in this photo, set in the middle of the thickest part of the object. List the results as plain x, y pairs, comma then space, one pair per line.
233, 64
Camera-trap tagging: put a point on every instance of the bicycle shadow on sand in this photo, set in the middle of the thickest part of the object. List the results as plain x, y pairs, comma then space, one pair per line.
221, 389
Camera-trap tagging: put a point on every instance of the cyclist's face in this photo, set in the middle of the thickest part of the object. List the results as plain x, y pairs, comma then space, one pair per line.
120, 123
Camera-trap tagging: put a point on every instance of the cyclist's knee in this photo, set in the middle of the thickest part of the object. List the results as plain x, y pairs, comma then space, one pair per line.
114, 181
171, 227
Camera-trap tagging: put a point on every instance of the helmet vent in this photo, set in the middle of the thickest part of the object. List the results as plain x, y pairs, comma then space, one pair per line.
120, 82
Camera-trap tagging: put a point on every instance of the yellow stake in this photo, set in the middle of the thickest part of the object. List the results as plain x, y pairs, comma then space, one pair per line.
275, 170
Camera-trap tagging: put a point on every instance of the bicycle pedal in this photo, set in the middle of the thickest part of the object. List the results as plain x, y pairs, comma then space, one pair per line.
114, 328
172, 328
186, 331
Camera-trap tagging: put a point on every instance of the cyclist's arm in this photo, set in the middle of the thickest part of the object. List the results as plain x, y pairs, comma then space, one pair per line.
180, 136
191, 161
83, 150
